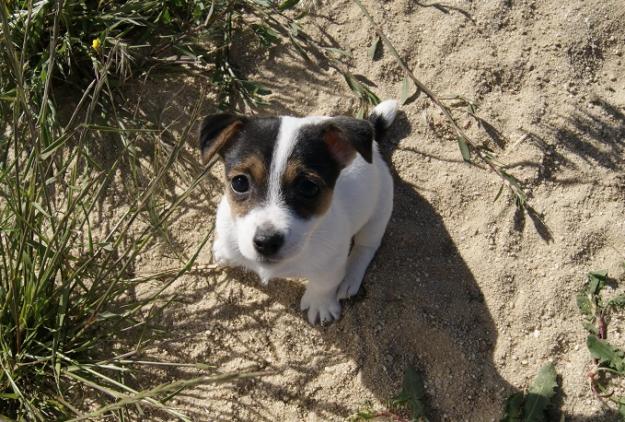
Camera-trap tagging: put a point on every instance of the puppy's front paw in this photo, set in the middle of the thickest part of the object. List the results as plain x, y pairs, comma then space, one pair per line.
322, 308
220, 253
349, 286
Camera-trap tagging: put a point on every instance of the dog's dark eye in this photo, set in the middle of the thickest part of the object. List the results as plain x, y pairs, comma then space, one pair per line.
240, 184
306, 188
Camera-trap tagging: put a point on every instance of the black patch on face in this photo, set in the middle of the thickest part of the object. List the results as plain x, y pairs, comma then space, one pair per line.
257, 137
313, 153
311, 160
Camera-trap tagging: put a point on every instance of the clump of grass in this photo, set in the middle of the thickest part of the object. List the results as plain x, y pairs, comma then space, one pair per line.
608, 363
64, 287
70, 325
130, 37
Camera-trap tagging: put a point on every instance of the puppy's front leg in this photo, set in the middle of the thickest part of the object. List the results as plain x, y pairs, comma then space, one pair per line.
320, 296
359, 259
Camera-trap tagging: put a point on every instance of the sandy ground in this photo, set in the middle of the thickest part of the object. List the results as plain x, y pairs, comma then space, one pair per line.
474, 294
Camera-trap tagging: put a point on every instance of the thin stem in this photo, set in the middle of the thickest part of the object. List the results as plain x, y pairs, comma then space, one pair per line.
506, 178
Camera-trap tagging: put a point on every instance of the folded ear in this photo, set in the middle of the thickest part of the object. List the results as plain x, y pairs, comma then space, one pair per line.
346, 136
215, 133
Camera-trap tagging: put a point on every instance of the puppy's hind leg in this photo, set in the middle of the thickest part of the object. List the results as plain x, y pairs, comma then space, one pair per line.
366, 243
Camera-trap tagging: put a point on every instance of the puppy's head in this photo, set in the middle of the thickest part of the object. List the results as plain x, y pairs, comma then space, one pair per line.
280, 175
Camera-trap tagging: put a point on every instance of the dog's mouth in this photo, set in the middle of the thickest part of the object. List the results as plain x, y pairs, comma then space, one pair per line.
269, 260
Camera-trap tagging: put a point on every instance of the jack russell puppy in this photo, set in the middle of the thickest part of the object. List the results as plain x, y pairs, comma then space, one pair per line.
304, 198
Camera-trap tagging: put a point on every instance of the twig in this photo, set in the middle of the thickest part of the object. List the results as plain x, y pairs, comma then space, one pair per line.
510, 181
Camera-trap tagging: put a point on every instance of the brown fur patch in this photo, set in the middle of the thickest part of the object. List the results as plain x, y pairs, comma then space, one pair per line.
293, 169
340, 148
221, 140
256, 169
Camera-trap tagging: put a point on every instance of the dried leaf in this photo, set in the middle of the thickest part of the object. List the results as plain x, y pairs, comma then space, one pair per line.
540, 394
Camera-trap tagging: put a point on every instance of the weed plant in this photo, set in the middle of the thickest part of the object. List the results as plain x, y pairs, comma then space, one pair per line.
71, 324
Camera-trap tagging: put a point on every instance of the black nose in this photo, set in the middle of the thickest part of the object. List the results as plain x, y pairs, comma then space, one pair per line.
267, 242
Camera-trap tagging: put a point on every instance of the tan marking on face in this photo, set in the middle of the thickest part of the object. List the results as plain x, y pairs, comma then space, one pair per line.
293, 169
253, 167
221, 140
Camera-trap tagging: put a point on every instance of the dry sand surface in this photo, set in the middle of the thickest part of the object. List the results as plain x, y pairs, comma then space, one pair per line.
474, 294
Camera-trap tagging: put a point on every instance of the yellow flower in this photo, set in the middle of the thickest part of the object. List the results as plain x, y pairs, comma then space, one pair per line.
96, 43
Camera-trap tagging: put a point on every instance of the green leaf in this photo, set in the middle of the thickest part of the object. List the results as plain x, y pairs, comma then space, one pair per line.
405, 91
517, 187
602, 274
498, 193
539, 394
267, 35
413, 393
607, 354
287, 4
464, 150
596, 280
374, 47
584, 304
592, 329
362, 91
262, 90
338, 53
166, 16
621, 410
514, 408
617, 301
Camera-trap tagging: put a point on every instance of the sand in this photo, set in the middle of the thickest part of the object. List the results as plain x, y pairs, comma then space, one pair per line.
474, 294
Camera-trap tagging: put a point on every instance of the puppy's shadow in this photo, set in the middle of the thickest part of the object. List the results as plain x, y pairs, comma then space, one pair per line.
420, 305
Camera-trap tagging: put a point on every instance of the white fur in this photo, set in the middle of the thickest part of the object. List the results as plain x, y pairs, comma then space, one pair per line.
316, 249
387, 110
